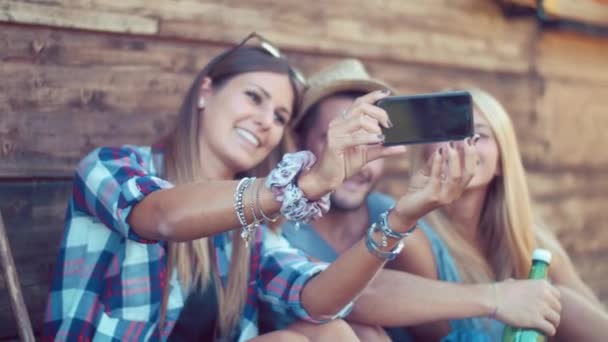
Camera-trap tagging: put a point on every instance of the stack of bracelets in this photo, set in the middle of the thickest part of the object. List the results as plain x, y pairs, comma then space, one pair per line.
383, 227
282, 182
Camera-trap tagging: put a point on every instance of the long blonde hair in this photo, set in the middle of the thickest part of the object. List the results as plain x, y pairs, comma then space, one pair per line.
195, 260
506, 220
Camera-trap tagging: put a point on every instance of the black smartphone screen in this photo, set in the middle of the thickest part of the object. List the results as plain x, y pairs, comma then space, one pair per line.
428, 117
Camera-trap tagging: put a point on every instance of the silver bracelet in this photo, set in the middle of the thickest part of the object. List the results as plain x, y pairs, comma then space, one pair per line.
251, 202
238, 200
261, 210
387, 231
248, 230
373, 248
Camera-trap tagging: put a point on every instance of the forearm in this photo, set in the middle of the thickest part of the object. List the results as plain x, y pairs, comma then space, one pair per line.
331, 290
346, 278
193, 211
396, 298
580, 319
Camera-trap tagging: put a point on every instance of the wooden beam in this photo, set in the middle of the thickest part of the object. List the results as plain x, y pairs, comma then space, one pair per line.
586, 11
43, 14
9, 271
429, 32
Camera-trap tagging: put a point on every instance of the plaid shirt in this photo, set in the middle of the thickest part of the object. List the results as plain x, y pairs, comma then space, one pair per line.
108, 281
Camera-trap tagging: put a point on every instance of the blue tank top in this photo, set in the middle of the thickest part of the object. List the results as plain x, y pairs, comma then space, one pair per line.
471, 329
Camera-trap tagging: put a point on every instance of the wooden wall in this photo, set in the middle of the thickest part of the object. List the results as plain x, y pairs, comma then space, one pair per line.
75, 74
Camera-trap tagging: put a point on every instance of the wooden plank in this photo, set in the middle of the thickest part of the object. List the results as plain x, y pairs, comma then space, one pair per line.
9, 270
424, 32
570, 56
571, 120
42, 14
585, 11
34, 214
57, 114
52, 88
47, 46
40, 146
67, 92
527, 3
433, 31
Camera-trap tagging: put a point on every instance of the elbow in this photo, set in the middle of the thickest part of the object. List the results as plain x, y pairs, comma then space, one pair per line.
166, 222
319, 310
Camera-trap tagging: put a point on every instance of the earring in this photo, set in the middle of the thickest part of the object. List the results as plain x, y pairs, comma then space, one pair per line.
201, 103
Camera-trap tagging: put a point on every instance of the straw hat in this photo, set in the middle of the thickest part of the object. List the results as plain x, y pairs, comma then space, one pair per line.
346, 75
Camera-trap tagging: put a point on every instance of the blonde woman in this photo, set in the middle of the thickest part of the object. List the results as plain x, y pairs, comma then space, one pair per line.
161, 243
488, 235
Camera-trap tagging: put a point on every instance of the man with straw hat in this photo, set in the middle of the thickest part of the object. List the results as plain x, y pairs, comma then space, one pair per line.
394, 298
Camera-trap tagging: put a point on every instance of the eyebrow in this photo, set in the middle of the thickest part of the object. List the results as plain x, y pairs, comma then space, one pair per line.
264, 91
269, 97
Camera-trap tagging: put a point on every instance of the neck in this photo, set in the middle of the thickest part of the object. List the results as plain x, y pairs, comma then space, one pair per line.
212, 167
466, 212
343, 228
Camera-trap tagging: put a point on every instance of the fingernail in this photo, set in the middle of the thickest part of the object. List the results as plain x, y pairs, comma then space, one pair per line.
476, 138
386, 91
468, 141
381, 137
389, 123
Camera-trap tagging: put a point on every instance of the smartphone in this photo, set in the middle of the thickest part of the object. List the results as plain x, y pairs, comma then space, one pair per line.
426, 118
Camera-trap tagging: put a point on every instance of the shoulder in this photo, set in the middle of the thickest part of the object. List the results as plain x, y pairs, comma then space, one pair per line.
119, 156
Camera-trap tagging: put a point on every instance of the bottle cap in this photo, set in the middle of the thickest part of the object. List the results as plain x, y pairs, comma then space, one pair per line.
541, 255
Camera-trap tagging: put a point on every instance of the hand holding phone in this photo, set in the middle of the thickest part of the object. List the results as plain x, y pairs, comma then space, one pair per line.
425, 118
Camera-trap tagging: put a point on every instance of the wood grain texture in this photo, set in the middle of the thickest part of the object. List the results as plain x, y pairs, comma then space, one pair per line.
463, 33
43, 14
13, 286
33, 215
70, 84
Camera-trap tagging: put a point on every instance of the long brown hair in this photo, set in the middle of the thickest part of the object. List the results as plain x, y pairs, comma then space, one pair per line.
506, 220
195, 260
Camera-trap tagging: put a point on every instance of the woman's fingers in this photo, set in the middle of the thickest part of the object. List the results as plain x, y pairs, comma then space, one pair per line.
360, 122
433, 167
358, 138
364, 105
470, 160
553, 317
546, 327
454, 165
379, 151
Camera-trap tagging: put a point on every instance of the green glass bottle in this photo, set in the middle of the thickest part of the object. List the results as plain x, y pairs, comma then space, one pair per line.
541, 258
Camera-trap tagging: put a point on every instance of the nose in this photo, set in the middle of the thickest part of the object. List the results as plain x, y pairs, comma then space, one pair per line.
264, 118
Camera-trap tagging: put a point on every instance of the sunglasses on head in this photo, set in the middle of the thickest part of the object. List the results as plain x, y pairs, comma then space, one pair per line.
269, 48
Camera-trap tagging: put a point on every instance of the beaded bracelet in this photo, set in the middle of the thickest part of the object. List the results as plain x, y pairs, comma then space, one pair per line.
373, 248
238, 200
247, 229
387, 231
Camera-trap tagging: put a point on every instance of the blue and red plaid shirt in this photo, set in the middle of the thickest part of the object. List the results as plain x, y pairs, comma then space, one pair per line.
108, 281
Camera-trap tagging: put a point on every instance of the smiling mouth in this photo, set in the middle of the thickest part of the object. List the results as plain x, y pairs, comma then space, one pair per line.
250, 137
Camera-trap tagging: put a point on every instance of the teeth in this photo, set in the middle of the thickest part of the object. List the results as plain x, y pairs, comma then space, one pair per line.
247, 135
